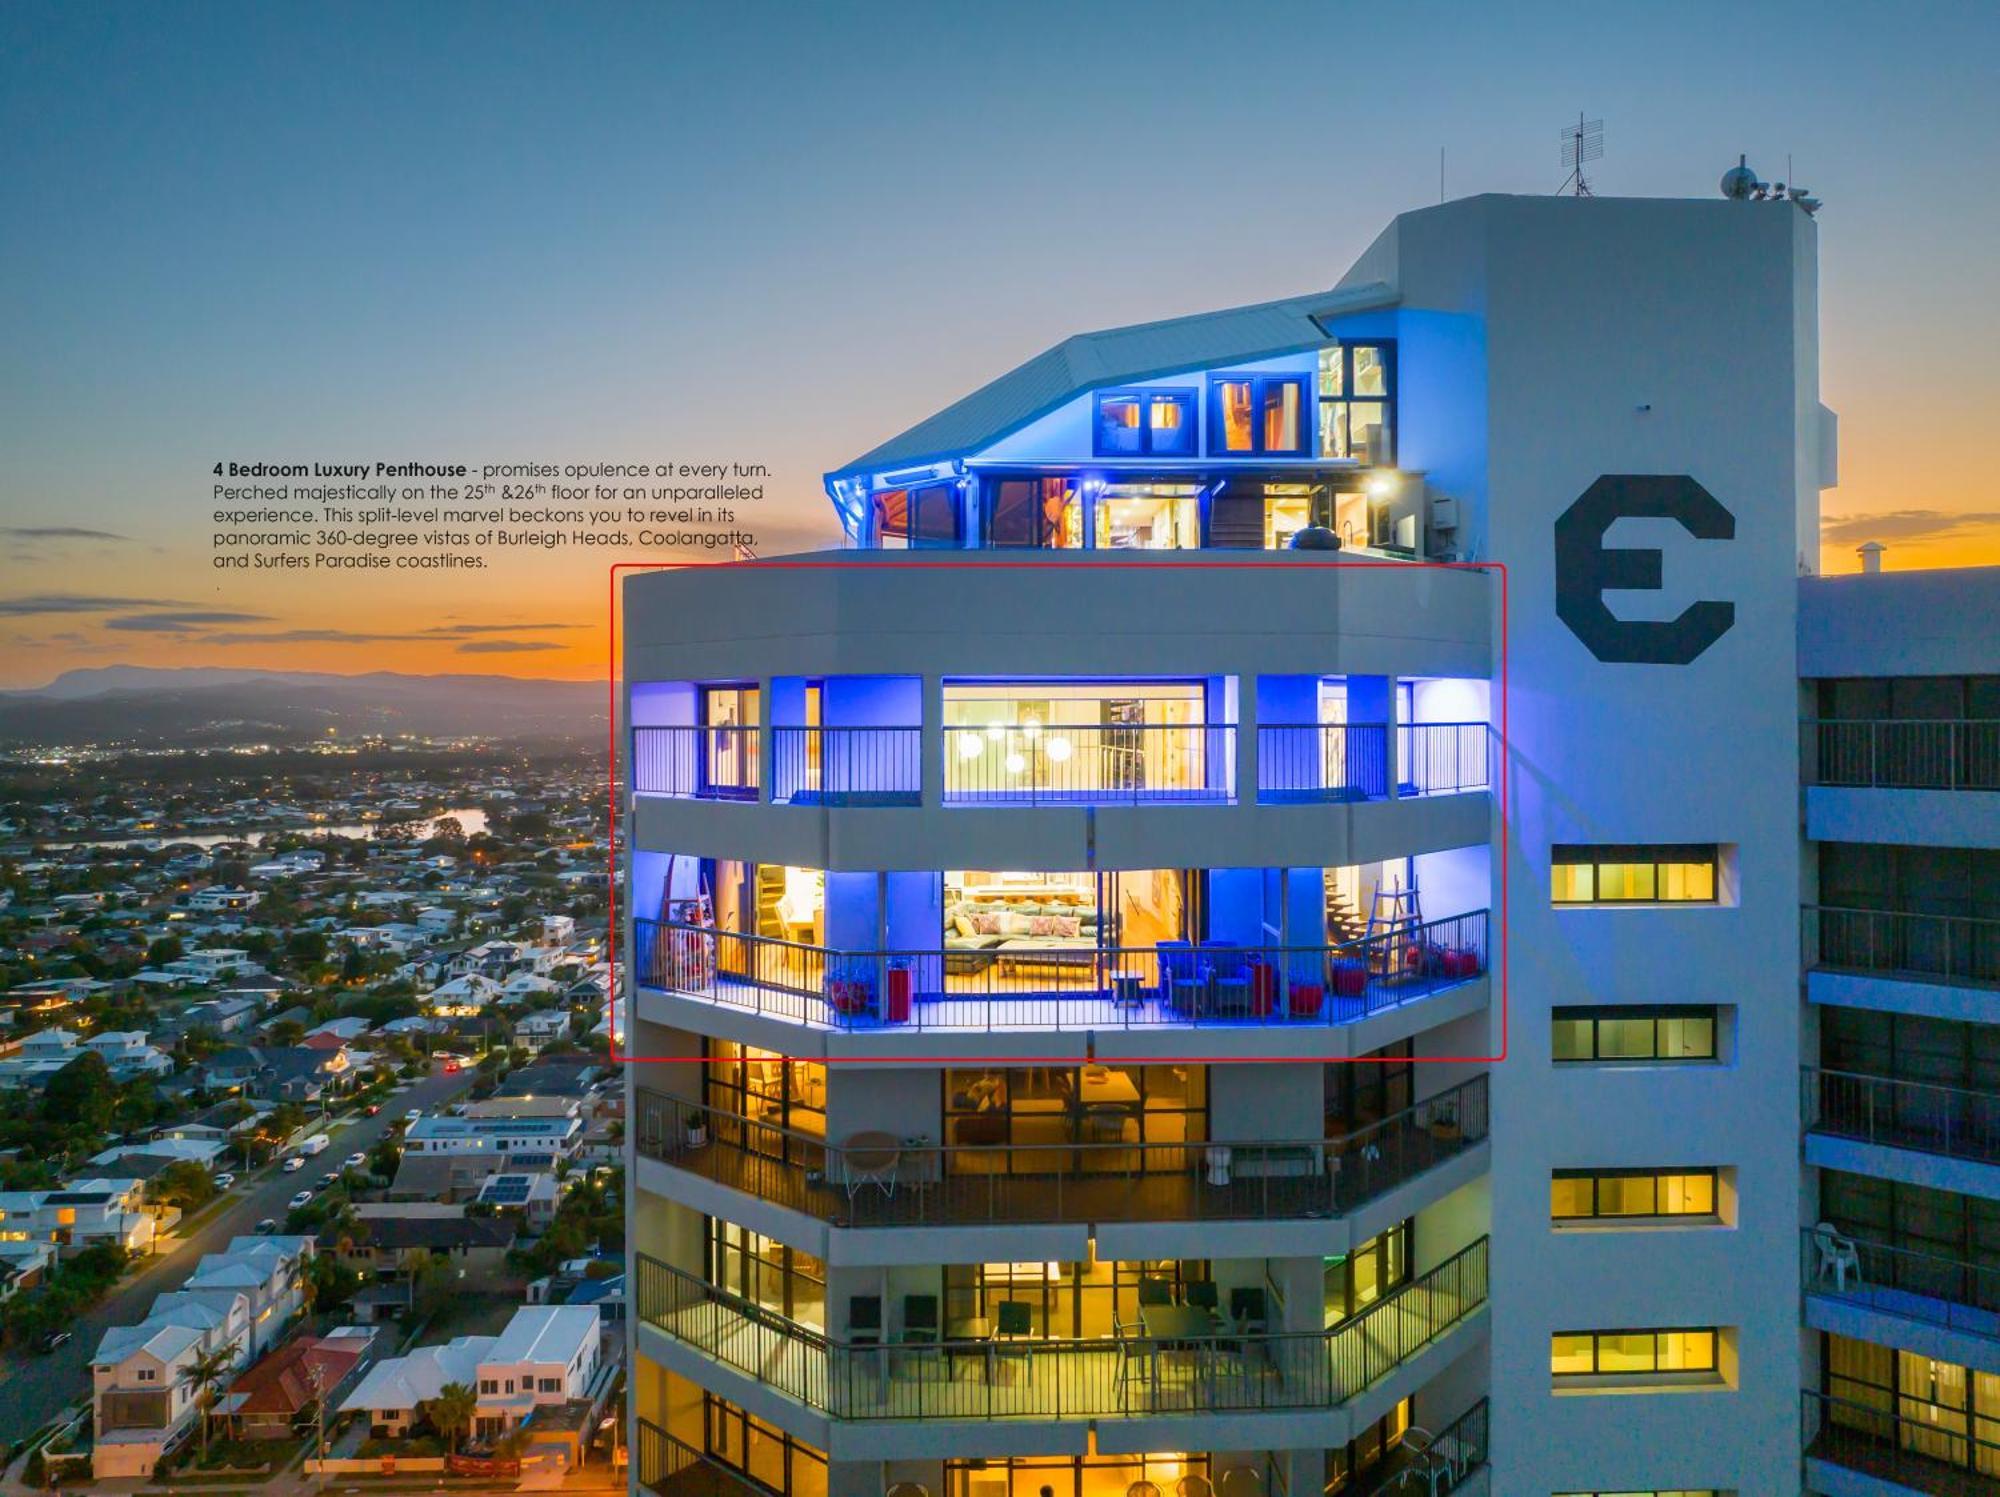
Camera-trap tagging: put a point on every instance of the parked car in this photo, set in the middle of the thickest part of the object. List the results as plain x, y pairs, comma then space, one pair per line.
295, 1163
371, 1109
303, 1198
224, 1180
51, 1340
413, 1114
267, 1226
355, 1162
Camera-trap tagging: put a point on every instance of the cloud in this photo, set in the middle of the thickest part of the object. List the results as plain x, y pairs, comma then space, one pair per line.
47, 603
505, 646
457, 629
1904, 524
181, 623
310, 637
60, 533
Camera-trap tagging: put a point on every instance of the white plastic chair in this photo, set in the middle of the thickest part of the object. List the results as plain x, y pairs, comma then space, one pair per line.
1838, 1256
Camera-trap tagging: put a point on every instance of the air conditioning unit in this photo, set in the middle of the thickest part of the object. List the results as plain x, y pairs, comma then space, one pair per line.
1444, 513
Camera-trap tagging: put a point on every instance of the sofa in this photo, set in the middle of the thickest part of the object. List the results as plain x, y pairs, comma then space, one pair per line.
980, 933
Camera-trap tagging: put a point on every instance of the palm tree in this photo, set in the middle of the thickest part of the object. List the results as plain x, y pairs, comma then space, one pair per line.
451, 1412
203, 1373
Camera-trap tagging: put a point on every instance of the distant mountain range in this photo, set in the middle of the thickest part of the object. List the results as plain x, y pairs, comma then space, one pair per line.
220, 706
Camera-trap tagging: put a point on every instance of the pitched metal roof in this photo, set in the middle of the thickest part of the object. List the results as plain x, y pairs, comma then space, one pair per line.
1117, 356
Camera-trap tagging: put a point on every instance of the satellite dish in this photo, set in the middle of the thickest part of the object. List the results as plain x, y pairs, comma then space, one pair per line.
1739, 181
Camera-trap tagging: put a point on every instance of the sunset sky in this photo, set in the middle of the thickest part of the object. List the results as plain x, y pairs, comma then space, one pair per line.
781, 232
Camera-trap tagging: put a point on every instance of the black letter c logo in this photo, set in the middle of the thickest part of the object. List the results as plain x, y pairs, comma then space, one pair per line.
1586, 568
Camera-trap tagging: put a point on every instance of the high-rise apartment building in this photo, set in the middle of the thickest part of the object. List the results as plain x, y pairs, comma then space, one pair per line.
1246, 939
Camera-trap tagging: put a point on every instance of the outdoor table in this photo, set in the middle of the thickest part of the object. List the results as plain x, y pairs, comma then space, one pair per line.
1167, 1324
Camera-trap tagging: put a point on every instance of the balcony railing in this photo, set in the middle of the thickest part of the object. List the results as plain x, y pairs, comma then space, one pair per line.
674, 1468
1933, 948
1299, 763
847, 766
1936, 1453
1953, 1121
1028, 987
1905, 1282
1438, 1463
1076, 1176
1064, 764
1443, 758
1902, 754
1123, 1375
697, 763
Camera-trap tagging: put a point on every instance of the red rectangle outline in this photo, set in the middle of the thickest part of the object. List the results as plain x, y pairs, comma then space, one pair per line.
611, 662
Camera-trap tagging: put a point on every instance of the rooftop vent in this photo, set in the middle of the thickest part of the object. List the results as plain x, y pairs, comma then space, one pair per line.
1870, 553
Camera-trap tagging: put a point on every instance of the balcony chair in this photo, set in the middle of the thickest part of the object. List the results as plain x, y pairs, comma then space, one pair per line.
1248, 1310
1838, 1256
1242, 1481
1183, 977
864, 1320
1135, 1367
1142, 1489
1230, 982
920, 1328
1154, 1291
1203, 1294
1194, 1484
1014, 1334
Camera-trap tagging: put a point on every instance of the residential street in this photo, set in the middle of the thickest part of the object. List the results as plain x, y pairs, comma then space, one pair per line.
35, 1388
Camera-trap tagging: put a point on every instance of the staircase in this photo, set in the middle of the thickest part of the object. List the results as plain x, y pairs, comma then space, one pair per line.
1344, 924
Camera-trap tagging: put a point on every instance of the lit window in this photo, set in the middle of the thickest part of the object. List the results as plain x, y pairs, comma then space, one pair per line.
1627, 1354
1583, 1195
1670, 1033
1139, 423
1621, 873
1357, 403
1266, 414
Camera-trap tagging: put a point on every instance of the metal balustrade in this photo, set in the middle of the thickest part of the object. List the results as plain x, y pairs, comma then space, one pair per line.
1908, 1283
1076, 764
674, 1468
1941, 1452
1443, 758
1074, 1177
1893, 943
1902, 753
1116, 1376
1949, 1120
865, 766
693, 763
1299, 763
1030, 987
1437, 1464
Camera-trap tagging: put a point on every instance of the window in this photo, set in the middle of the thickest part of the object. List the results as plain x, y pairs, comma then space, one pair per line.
729, 742
1911, 1402
1625, 873
1142, 423
1040, 513
1357, 419
551, 1385
1253, 414
1149, 517
1631, 1354
148, 1375
914, 518
489, 1385
773, 1459
787, 1281
1585, 1195
1674, 1032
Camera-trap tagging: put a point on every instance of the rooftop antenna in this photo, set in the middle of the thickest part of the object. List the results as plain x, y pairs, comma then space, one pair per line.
1582, 142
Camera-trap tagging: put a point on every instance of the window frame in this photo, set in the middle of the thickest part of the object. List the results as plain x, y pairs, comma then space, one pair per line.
1597, 1214
1595, 1014
1598, 1336
1634, 854
948, 495
1308, 414
1386, 349
1187, 397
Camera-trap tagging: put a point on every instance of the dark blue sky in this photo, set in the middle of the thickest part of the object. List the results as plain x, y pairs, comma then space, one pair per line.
785, 231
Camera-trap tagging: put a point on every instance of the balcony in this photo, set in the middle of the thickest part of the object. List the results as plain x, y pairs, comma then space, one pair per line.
1943, 966
1902, 754
1305, 763
1857, 1450
1058, 764
673, 1468
1444, 758
1054, 989
1897, 1296
1082, 1181
1914, 1131
868, 766
1130, 1376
